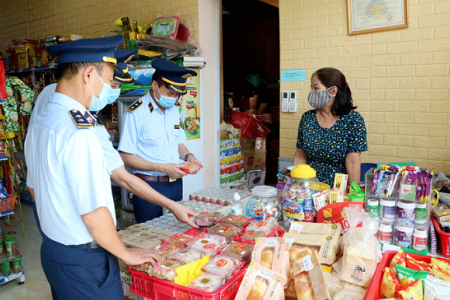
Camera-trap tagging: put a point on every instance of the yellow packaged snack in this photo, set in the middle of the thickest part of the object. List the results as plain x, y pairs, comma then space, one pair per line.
440, 273
389, 284
398, 259
441, 263
413, 291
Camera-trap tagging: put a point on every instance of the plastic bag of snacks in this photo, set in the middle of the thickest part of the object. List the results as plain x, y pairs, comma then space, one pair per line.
436, 289
191, 168
206, 283
227, 231
177, 240
252, 235
361, 248
186, 256
166, 269
308, 278
414, 291
407, 276
207, 219
166, 26
146, 268
238, 250
272, 254
261, 283
223, 266
234, 220
398, 259
206, 243
265, 226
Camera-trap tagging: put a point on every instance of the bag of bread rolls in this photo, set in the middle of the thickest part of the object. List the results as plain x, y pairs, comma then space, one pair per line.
361, 248
272, 253
309, 281
315, 228
261, 283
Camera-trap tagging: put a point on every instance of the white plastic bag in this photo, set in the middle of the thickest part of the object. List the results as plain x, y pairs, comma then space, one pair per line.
361, 248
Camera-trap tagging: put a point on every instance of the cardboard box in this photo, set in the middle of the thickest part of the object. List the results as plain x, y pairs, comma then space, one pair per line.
254, 153
141, 236
38, 57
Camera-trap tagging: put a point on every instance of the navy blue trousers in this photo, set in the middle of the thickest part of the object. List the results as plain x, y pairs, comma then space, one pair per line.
145, 211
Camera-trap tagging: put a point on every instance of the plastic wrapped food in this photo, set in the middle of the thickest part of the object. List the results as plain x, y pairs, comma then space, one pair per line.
206, 243
238, 250
177, 240
252, 235
227, 231
186, 256
234, 220
145, 267
207, 219
166, 269
191, 168
265, 226
206, 283
222, 266
166, 250
166, 26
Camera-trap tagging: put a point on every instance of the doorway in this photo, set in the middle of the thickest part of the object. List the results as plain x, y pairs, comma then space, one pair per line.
251, 67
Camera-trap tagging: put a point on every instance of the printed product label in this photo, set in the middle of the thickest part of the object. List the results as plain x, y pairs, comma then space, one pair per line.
239, 247
250, 232
236, 218
294, 210
270, 242
261, 224
307, 263
221, 262
358, 273
254, 209
265, 273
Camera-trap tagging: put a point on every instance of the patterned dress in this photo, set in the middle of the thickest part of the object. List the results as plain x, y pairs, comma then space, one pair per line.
326, 148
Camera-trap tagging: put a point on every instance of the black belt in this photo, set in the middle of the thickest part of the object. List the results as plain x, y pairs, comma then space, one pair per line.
87, 246
154, 178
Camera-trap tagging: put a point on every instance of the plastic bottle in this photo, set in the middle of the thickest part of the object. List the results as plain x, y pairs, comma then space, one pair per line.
385, 233
419, 241
421, 212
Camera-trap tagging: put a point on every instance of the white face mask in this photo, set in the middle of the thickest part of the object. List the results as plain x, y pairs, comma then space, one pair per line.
320, 99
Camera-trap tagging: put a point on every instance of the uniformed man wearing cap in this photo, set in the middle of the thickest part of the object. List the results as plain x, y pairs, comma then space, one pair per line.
152, 140
70, 179
118, 172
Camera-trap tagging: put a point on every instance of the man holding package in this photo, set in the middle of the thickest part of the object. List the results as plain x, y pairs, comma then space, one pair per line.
151, 141
70, 179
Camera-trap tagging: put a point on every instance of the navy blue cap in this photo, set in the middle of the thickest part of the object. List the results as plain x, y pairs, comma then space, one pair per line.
172, 74
87, 50
121, 74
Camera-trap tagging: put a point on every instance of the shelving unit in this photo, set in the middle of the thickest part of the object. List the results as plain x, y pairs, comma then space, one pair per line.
38, 69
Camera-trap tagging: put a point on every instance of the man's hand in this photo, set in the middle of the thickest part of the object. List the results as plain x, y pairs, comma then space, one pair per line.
173, 170
137, 256
182, 213
191, 158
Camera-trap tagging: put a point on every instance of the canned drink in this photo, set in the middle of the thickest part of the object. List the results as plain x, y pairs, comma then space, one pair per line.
6, 267
17, 263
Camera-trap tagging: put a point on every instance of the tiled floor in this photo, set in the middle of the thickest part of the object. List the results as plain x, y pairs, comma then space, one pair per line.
36, 286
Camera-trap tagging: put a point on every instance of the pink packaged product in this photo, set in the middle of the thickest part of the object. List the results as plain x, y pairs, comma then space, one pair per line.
238, 250
234, 220
207, 243
166, 269
227, 231
207, 219
166, 250
222, 266
186, 256
265, 226
177, 240
206, 283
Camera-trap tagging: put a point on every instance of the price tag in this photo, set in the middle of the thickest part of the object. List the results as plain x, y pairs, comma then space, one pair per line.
297, 227
270, 242
307, 263
289, 240
265, 273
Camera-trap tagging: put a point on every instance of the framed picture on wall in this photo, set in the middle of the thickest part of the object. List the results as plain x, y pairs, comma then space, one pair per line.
376, 15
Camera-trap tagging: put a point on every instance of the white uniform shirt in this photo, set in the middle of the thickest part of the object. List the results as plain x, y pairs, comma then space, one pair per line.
67, 170
152, 135
112, 157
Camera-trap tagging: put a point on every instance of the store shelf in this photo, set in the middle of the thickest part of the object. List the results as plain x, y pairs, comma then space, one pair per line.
39, 69
20, 276
5, 213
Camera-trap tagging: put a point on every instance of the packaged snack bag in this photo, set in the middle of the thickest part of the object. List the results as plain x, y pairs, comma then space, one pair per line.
166, 27
146, 268
227, 231
222, 266
177, 240
272, 254
191, 168
166, 250
361, 248
265, 226
186, 256
206, 283
207, 218
234, 220
238, 250
166, 269
436, 289
418, 265
389, 284
206, 243
440, 273
309, 279
398, 259
413, 291
440, 263
408, 276
251, 235
260, 283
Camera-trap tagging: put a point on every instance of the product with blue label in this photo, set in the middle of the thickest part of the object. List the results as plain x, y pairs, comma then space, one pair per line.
264, 203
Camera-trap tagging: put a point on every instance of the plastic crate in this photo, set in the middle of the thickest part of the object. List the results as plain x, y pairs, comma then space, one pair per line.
442, 237
250, 127
157, 289
7, 204
373, 292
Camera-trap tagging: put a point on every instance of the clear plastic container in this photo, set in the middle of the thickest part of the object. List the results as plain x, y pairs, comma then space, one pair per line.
264, 203
227, 231
186, 256
206, 283
298, 194
222, 266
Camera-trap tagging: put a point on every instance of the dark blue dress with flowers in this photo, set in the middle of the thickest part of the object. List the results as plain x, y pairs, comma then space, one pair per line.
326, 148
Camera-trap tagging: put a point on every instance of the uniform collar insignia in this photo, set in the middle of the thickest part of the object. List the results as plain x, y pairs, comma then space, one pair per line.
80, 120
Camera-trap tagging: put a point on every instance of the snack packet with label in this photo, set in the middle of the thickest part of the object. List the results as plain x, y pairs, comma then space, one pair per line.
389, 284
398, 259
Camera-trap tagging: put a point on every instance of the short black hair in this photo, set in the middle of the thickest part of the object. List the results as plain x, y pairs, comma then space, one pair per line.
159, 81
343, 103
69, 70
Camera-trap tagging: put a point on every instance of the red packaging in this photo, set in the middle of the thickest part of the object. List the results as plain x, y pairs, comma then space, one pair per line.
416, 265
2, 81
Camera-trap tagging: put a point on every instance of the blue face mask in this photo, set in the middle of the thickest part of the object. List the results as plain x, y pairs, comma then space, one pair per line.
115, 93
165, 101
98, 103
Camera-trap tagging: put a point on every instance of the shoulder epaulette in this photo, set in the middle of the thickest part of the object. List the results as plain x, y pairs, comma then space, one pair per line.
150, 106
79, 120
135, 105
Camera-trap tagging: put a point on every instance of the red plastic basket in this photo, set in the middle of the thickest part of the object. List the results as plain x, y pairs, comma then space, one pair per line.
442, 237
158, 289
7, 204
373, 292
250, 127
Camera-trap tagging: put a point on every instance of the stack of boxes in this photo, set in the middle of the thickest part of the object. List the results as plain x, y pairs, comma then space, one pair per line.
231, 160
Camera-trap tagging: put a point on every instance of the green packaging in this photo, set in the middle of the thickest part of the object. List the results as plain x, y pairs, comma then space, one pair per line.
9, 243
355, 193
17, 263
6, 267
407, 276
